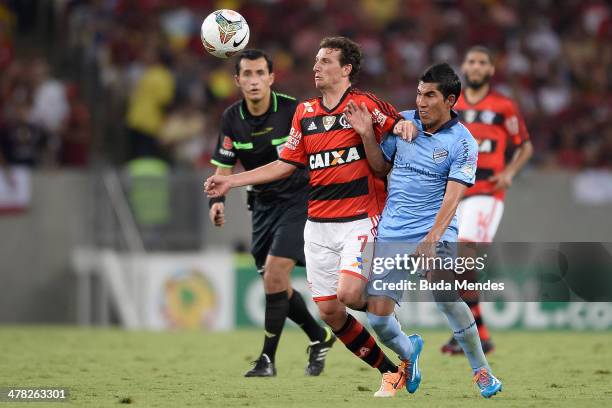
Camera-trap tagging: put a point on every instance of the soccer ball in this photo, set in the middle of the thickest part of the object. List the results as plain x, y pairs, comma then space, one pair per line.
224, 33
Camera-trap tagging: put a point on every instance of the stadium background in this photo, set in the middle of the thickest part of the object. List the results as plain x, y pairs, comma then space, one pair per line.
92, 234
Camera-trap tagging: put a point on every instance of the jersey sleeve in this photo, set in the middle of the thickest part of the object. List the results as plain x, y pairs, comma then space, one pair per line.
464, 155
389, 147
293, 151
384, 116
515, 125
225, 154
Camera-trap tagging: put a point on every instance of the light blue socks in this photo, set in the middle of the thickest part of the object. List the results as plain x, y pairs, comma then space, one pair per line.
465, 331
391, 335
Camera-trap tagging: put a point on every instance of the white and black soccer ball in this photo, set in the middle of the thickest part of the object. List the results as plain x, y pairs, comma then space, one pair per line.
224, 33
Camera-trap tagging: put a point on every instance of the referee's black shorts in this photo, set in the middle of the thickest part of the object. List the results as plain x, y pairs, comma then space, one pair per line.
278, 230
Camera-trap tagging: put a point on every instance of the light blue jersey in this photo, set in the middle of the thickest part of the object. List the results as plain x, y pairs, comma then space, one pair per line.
421, 169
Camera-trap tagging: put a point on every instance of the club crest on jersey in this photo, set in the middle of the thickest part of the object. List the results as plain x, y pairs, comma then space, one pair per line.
328, 122
227, 143
334, 158
344, 122
439, 155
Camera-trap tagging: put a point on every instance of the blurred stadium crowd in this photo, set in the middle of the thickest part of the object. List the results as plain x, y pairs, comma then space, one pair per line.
99, 81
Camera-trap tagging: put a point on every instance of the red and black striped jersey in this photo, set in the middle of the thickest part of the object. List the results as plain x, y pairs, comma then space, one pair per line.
496, 124
343, 186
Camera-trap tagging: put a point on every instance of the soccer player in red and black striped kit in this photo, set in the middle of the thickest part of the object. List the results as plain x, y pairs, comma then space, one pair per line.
497, 125
345, 199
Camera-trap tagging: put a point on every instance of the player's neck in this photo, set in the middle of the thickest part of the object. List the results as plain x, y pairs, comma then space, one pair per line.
331, 96
475, 95
258, 108
434, 127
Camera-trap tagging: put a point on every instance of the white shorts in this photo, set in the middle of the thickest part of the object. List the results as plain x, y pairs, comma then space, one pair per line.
332, 248
479, 217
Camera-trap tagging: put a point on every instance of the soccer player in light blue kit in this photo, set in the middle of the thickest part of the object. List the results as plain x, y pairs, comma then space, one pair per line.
429, 176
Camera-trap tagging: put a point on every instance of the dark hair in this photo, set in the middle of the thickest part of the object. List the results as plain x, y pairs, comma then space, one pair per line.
350, 53
252, 55
482, 49
444, 75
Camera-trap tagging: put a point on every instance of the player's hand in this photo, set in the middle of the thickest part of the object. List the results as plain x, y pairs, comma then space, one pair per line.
426, 248
217, 214
360, 118
217, 186
502, 180
406, 130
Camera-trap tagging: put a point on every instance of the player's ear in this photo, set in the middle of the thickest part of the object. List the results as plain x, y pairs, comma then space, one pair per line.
271, 78
236, 81
450, 100
347, 69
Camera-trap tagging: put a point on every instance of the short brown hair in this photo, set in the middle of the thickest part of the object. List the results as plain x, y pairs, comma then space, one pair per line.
350, 53
481, 49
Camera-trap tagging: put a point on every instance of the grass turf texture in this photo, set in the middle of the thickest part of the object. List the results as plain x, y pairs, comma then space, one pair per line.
109, 367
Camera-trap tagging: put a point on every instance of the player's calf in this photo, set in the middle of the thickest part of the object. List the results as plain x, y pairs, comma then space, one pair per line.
277, 272
355, 337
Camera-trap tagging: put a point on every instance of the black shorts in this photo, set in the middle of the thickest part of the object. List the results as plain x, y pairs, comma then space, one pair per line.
278, 229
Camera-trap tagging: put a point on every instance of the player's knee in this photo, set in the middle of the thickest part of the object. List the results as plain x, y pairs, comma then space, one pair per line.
328, 317
271, 277
275, 278
351, 297
279, 268
381, 305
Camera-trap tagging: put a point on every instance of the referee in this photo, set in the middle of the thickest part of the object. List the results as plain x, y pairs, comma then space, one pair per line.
254, 130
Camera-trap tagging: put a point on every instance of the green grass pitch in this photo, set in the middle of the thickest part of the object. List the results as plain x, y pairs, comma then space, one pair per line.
111, 367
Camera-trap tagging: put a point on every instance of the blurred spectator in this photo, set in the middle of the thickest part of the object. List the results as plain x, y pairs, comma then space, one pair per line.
76, 131
15, 88
569, 153
554, 59
603, 156
7, 49
182, 133
22, 142
146, 110
49, 104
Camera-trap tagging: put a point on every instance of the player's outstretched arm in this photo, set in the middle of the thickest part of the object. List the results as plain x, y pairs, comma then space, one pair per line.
219, 185
360, 118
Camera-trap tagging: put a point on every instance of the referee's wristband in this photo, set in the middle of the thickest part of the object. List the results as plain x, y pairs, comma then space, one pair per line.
220, 199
